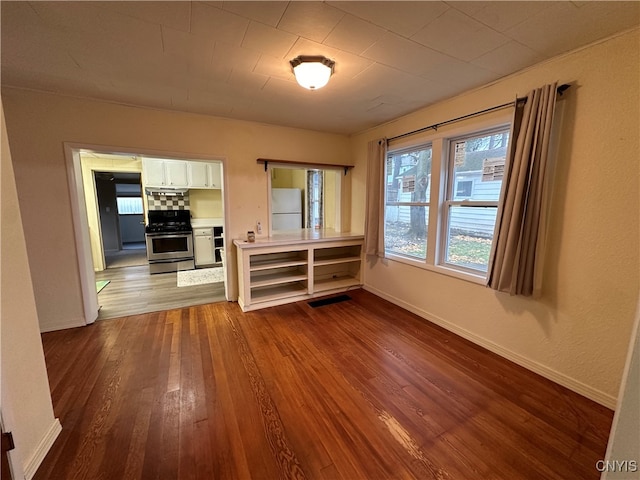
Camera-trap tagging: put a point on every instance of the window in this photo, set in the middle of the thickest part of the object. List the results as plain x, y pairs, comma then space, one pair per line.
407, 196
129, 205
465, 199
315, 214
463, 188
129, 197
470, 214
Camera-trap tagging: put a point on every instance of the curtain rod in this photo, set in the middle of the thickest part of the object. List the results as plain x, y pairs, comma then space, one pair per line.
560, 90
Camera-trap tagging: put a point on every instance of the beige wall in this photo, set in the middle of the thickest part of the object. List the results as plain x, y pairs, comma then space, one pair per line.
38, 124
26, 405
205, 203
578, 333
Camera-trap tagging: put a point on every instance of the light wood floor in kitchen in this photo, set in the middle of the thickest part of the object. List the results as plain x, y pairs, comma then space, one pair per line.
133, 290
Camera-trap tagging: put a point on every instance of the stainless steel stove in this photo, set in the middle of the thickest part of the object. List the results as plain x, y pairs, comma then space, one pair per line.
169, 241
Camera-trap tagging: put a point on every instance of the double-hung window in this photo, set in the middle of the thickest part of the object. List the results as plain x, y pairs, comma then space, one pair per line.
465, 193
408, 175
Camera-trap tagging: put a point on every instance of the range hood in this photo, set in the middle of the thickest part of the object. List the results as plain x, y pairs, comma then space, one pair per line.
165, 191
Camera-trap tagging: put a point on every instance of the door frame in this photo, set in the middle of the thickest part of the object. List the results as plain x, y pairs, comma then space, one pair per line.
79, 213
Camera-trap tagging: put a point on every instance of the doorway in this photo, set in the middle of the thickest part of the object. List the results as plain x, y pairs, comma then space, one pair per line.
131, 288
122, 218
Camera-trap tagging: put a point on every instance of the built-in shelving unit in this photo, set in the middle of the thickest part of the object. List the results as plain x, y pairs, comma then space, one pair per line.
276, 272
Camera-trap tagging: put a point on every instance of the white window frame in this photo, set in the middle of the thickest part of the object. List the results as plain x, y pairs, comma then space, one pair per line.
449, 197
441, 183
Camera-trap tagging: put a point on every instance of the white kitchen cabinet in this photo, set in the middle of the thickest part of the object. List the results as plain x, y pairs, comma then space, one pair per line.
164, 173
204, 175
272, 272
215, 176
176, 171
198, 175
153, 172
203, 246
157, 172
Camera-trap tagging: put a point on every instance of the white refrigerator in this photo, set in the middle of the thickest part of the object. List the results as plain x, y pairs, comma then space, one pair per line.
286, 208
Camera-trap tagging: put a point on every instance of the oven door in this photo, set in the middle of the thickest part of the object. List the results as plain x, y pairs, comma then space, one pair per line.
169, 246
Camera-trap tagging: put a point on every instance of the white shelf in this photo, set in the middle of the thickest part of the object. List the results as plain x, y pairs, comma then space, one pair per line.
277, 278
276, 263
334, 259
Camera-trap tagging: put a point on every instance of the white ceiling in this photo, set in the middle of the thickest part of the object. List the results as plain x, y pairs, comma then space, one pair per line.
231, 58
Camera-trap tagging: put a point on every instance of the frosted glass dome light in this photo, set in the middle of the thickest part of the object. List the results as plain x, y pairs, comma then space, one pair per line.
312, 72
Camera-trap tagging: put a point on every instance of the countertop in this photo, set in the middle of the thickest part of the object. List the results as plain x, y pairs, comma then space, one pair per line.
297, 237
207, 222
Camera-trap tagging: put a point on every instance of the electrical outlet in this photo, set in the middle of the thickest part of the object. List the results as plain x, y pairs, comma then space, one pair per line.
258, 228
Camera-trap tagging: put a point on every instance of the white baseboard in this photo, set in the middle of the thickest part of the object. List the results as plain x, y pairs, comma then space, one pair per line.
553, 375
63, 326
44, 446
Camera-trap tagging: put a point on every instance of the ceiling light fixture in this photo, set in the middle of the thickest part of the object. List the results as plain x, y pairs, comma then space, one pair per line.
312, 72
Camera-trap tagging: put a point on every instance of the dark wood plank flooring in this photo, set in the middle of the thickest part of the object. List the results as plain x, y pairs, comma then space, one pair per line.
354, 390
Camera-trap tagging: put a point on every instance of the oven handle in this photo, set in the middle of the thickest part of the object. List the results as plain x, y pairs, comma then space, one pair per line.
168, 235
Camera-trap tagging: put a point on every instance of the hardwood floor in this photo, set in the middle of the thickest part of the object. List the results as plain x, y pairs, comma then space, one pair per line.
354, 390
133, 290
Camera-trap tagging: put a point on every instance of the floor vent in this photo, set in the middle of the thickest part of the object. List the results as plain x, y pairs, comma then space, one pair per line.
328, 301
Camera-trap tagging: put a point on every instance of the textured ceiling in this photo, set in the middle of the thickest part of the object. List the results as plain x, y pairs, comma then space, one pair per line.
231, 59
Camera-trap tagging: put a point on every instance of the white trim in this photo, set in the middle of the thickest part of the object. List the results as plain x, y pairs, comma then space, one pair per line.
81, 233
31, 467
456, 272
230, 288
553, 375
80, 322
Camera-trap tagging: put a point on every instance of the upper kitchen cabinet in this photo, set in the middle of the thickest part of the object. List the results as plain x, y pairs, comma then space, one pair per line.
164, 173
204, 175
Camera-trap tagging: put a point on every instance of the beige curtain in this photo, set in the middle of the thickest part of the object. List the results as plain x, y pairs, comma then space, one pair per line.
518, 249
373, 234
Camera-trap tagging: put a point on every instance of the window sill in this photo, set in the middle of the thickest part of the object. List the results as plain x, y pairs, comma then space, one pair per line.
441, 269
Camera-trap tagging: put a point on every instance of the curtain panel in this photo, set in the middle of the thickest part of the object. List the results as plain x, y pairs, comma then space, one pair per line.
517, 254
373, 233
